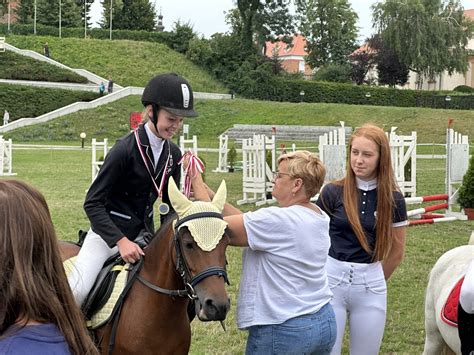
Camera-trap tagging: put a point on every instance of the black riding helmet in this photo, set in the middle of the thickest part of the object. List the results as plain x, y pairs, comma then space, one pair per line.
171, 92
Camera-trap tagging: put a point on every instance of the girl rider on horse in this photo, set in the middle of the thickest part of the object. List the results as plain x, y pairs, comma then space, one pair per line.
135, 173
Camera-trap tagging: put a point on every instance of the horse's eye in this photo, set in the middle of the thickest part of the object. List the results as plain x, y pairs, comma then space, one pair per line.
189, 245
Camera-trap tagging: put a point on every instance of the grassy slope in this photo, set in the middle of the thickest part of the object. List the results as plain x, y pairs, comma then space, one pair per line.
27, 101
216, 116
129, 63
19, 67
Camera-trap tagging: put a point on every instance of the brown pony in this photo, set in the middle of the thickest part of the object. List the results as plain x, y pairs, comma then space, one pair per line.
176, 269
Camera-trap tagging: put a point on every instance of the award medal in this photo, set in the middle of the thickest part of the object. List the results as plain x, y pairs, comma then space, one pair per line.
163, 207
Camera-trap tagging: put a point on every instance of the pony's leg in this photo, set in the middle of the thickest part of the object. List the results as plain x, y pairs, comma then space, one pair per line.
434, 342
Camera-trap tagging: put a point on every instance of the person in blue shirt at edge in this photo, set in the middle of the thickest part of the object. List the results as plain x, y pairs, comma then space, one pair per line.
284, 294
38, 314
134, 175
367, 229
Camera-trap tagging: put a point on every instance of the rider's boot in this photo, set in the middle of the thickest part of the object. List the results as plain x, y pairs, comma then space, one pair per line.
466, 331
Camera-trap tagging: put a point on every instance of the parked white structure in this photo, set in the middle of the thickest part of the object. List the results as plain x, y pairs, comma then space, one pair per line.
6, 165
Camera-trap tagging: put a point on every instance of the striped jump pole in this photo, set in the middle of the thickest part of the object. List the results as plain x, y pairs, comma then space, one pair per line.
421, 199
431, 220
426, 209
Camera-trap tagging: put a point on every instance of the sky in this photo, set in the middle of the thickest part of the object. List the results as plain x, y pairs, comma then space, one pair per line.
208, 16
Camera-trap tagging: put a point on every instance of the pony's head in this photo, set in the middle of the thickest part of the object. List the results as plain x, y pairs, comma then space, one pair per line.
201, 243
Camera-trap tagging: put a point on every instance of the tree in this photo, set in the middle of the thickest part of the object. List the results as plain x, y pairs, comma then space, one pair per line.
361, 60
116, 8
3, 6
337, 73
130, 15
261, 21
88, 4
329, 27
48, 13
25, 11
181, 35
428, 36
389, 68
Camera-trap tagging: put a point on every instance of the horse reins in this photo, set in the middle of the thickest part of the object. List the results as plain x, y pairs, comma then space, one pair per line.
182, 266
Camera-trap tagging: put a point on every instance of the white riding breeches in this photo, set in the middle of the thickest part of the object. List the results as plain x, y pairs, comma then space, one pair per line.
466, 296
91, 257
360, 295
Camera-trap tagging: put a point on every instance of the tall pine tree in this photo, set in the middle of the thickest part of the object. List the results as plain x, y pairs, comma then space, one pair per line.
25, 11
116, 8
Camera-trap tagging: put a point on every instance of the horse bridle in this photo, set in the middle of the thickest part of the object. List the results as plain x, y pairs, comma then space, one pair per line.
182, 267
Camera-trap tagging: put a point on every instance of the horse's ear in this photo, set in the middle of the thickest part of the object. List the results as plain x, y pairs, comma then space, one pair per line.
220, 196
179, 202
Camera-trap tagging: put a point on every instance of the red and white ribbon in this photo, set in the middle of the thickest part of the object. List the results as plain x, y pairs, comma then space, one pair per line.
195, 166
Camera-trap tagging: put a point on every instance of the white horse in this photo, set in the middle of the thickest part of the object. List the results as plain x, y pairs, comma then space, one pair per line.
450, 267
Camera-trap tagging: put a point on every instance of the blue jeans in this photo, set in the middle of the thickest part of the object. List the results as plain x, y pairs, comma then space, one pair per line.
308, 334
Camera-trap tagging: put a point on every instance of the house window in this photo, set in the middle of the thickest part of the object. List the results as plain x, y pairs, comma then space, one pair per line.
301, 66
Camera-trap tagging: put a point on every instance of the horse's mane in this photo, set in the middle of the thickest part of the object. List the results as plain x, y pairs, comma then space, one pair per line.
165, 227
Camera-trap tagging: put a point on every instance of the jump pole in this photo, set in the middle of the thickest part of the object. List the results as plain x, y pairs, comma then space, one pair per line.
421, 199
427, 209
431, 220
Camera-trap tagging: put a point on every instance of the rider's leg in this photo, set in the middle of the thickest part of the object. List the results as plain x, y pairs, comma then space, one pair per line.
466, 312
91, 257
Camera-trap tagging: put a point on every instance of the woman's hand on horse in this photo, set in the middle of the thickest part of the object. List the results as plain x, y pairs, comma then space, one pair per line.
129, 251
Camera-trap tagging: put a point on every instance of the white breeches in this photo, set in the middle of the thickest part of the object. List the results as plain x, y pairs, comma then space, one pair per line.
466, 297
360, 295
91, 257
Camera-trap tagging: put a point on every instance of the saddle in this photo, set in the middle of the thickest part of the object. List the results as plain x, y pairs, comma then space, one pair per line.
111, 285
449, 312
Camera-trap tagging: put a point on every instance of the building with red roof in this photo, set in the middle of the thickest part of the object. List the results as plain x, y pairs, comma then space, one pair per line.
292, 57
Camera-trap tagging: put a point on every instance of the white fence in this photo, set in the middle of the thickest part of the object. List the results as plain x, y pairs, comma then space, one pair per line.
457, 162
222, 158
97, 161
403, 151
257, 175
332, 152
6, 166
2, 44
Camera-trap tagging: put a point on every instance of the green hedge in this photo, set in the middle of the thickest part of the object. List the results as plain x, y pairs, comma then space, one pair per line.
18, 67
263, 87
96, 33
23, 101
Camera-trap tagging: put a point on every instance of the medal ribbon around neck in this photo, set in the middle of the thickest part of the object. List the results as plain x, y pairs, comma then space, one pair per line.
163, 207
195, 165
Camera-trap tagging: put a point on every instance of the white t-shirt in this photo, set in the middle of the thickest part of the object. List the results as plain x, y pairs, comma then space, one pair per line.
283, 270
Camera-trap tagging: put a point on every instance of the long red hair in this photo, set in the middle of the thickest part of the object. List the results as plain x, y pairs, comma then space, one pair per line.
386, 185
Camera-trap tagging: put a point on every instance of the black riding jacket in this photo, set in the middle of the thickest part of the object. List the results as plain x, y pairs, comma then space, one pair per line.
120, 200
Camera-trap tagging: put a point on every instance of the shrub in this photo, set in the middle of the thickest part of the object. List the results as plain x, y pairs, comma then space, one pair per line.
466, 191
337, 73
464, 88
231, 158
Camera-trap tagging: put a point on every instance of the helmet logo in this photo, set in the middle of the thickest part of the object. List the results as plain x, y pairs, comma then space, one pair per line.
185, 91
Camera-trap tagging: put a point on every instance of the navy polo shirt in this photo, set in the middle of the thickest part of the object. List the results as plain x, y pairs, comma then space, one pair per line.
344, 243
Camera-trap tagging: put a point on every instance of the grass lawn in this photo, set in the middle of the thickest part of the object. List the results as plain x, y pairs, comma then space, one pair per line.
64, 176
215, 116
